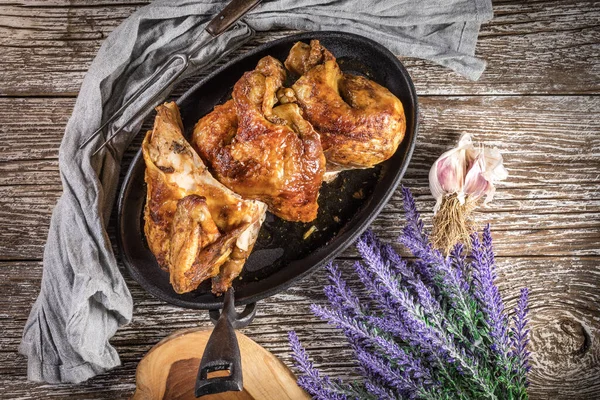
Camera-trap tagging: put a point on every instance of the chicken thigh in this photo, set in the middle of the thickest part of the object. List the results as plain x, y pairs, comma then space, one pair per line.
196, 227
263, 152
361, 123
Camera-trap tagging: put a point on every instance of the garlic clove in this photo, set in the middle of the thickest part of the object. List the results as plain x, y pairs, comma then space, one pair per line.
466, 170
447, 174
476, 184
436, 189
487, 169
451, 172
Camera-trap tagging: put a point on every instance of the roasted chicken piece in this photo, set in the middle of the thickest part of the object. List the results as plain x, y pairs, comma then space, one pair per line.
361, 123
196, 227
263, 152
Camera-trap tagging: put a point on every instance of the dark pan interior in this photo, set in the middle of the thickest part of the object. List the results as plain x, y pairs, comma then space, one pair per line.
282, 254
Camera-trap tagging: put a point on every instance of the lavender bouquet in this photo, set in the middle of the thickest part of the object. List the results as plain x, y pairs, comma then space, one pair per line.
434, 328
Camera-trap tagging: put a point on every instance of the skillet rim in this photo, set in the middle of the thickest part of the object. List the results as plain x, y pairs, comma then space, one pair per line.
340, 241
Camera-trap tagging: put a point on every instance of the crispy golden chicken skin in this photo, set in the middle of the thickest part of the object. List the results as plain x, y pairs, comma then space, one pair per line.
263, 152
360, 122
196, 227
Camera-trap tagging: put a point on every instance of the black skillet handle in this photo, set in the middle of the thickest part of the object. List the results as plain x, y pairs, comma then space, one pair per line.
222, 352
232, 12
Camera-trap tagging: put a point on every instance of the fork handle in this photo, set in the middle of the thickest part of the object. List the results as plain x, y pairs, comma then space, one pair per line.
230, 15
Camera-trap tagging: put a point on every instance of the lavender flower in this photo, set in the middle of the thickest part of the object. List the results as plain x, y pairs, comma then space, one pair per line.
457, 258
487, 293
338, 293
320, 387
381, 370
379, 391
433, 328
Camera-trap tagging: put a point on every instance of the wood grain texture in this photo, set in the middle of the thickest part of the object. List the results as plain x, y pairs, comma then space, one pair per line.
550, 204
537, 101
537, 47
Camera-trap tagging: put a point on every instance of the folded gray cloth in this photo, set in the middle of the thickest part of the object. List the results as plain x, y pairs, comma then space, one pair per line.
83, 298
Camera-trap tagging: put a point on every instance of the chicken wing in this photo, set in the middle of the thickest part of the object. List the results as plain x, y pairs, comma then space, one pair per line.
361, 123
263, 152
196, 227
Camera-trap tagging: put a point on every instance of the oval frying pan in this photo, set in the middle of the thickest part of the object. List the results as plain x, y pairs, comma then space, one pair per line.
285, 252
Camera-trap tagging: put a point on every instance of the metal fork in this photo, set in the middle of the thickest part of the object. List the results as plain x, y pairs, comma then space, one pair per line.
235, 10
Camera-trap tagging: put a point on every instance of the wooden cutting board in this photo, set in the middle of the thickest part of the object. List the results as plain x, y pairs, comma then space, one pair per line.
169, 369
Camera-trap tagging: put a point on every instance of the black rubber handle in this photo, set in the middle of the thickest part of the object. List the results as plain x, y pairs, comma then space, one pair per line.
230, 15
222, 352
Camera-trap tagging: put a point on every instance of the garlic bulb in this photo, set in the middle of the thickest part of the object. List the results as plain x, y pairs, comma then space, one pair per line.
466, 170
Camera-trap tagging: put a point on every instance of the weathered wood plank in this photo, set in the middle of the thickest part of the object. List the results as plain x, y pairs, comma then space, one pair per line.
564, 127
31, 129
565, 324
550, 206
530, 128
550, 232
548, 201
534, 221
538, 47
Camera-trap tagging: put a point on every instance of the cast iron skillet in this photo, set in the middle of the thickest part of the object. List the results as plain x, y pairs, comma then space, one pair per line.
282, 255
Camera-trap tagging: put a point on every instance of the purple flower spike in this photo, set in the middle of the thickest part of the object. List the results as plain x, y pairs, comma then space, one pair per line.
379, 391
414, 227
319, 387
338, 293
487, 295
381, 369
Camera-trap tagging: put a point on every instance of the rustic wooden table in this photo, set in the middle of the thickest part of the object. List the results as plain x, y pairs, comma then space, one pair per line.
537, 101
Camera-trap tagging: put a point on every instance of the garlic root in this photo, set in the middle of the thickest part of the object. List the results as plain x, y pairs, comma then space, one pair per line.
453, 223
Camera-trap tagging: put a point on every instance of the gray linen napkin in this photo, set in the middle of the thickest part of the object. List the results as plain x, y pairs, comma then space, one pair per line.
83, 298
